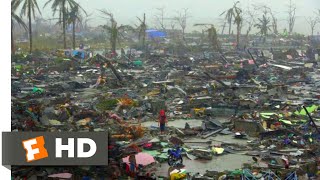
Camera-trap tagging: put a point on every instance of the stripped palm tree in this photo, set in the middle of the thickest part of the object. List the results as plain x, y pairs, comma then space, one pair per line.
28, 8
62, 6
238, 21
212, 36
115, 32
230, 14
74, 16
263, 26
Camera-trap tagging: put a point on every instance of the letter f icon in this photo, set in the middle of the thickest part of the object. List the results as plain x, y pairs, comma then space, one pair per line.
35, 149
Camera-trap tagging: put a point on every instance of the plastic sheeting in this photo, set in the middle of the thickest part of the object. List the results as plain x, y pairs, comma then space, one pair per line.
153, 33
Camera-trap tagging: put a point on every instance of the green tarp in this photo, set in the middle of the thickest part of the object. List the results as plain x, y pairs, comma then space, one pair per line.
310, 109
137, 63
36, 89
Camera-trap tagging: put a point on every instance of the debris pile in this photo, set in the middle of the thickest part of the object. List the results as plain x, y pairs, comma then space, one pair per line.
245, 110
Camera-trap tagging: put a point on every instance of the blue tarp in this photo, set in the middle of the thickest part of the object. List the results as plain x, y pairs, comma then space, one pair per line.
78, 53
153, 33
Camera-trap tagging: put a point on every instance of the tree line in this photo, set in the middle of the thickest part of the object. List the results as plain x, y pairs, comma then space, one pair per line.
70, 13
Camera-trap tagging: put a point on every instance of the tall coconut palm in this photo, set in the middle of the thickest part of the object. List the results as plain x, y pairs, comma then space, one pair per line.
263, 26
28, 8
17, 19
74, 16
230, 14
61, 6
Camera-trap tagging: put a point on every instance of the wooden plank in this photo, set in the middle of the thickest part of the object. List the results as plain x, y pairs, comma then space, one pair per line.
212, 133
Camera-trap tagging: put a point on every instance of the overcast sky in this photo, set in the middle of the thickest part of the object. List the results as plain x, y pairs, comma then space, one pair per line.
201, 11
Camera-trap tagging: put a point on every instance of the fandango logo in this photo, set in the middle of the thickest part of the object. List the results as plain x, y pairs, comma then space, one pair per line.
35, 149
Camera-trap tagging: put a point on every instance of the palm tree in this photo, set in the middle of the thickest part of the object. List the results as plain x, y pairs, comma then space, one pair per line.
114, 31
74, 17
230, 14
238, 21
263, 26
17, 19
62, 6
28, 8
212, 36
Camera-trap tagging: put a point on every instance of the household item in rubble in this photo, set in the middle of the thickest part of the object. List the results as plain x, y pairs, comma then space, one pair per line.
175, 156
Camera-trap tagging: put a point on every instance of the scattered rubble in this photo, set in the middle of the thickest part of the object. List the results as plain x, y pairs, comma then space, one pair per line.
248, 106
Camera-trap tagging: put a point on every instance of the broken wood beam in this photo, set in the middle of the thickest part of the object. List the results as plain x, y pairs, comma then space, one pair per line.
219, 81
255, 62
108, 61
212, 133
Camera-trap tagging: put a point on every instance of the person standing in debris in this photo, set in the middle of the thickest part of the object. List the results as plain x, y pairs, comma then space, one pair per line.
162, 121
132, 165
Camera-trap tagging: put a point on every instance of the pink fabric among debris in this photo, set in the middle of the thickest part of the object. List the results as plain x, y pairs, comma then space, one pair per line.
115, 117
61, 175
250, 61
141, 158
289, 57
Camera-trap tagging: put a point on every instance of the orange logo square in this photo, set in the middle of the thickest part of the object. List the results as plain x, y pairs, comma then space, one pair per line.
35, 149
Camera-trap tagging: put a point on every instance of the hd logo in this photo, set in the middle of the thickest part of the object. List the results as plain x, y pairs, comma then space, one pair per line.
35, 149
55, 148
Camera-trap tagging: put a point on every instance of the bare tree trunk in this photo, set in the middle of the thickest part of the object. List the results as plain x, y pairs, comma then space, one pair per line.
223, 27
113, 42
144, 32
30, 28
183, 34
12, 40
74, 34
114, 46
229, 27
292, 16
312, 22
144, 46
202, 37
238, 34
64, 25
247, 35
275, 25
160, 18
